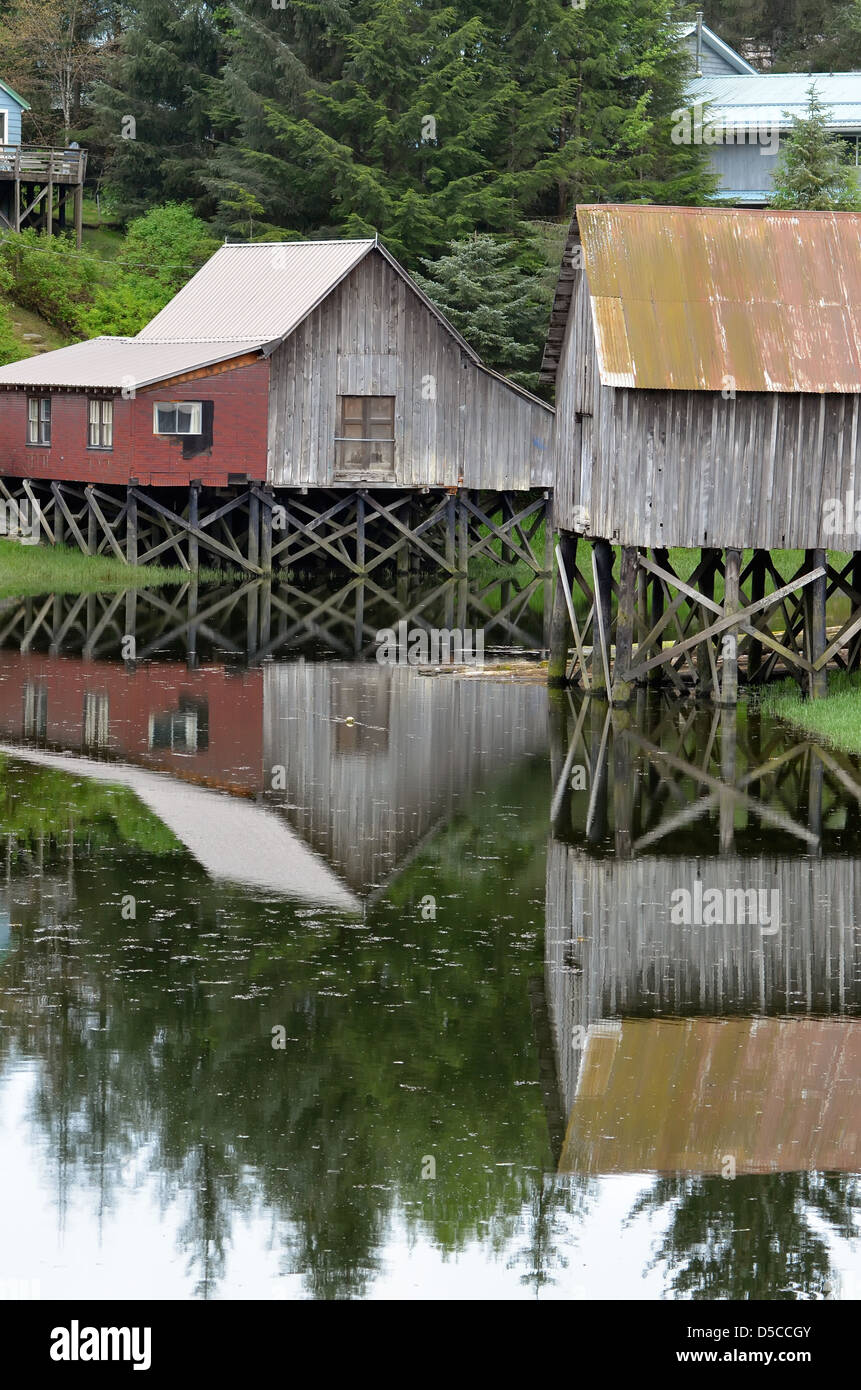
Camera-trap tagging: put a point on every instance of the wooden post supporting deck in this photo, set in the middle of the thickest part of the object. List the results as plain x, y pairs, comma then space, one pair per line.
729, 674
757, 591
661, 558
602, 572
625, 618
131, 526
560, 628
816, 637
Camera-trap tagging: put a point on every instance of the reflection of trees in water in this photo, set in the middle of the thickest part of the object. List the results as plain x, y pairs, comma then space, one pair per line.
153, 1043
751, 1237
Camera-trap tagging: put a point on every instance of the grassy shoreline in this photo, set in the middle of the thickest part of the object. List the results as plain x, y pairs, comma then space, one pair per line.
836, 719
26, 570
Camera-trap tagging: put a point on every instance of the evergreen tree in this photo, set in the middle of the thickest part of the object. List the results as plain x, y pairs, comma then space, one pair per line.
425, 122
498, 306
151, 109
812, 171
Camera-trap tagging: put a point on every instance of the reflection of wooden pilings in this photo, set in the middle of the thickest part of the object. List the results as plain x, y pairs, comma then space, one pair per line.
815, 784
727, 770
816, 638
560, 628
623, 789
729, 672
625, 616
596, 823
601, 630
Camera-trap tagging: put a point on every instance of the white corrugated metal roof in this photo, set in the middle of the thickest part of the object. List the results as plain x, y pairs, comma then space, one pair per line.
255, 292
767, 98
116, 362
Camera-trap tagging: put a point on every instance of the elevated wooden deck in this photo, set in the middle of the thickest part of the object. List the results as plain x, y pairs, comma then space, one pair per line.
35, 164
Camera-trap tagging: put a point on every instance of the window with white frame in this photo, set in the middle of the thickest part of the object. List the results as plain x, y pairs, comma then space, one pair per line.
38, 419
177, 417
4, 127
100, 432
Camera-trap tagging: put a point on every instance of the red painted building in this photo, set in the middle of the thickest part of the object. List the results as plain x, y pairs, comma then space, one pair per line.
205, 726
97, 432
297, 364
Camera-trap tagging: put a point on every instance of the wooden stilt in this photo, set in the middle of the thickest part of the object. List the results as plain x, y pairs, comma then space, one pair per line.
131, 526
560, 631
622, 688
726, 799
360, 534
602, 570
661, 557
757, 591
815, 635
729, 640
266, 504
193, 521
253, 531
709, 558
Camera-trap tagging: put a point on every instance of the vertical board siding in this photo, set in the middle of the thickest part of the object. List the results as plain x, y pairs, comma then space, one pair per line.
455, 423
691, 468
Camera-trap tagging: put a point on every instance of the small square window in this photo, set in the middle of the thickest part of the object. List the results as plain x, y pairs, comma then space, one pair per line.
177, 417
39, 420
100, 432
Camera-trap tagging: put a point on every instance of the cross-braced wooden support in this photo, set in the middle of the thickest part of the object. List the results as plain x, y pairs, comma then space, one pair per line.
255, 529
635, 620
255, 619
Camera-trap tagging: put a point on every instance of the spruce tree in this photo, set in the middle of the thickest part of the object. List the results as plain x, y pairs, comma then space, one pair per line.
151, 110
498, 306
812, 171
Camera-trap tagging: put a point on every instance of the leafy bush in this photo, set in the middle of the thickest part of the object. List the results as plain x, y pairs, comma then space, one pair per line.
167, 245
48, 275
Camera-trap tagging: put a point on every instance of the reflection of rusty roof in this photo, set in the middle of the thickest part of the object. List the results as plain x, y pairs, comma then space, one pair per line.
667, 1095
698, 298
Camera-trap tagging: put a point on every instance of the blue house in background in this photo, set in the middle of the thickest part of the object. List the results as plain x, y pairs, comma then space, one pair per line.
11, 107
38, 186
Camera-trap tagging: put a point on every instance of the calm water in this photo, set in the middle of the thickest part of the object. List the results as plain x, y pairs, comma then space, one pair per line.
502, 1067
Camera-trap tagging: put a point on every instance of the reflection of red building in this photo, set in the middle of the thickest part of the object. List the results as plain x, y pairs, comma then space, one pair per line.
204, 725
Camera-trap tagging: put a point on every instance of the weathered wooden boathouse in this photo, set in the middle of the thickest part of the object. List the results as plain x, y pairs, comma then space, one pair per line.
707, 364
294, 400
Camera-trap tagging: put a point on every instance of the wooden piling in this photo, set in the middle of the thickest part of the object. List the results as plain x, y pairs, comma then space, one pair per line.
815, 636
729, 641
131, 526
560, 627
602, 555
625, 616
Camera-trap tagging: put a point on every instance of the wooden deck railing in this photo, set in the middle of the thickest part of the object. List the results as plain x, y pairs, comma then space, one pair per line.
41, 165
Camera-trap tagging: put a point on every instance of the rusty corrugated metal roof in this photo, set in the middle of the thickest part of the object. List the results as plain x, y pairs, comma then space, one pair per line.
779, 1094
698, 299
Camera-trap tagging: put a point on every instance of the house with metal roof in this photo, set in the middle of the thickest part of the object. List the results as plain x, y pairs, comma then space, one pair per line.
707, 364
39, 187
710, 54
297, 364
741, 116
742, 121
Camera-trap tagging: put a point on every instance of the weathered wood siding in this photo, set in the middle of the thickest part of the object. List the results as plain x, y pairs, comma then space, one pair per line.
690, 468
611, 949
366, 795
455, 423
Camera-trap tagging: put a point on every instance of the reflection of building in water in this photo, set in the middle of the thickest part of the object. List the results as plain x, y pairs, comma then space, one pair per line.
357, 764
680, 1040
375, 758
